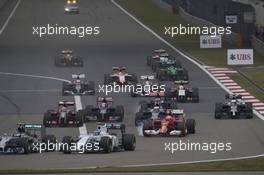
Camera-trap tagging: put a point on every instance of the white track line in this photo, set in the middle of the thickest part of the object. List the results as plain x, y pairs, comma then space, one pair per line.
202, 68
78, 104
29, 90
34, 76
194, 162
9, 17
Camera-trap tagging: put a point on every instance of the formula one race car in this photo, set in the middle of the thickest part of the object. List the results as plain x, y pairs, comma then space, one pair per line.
148, 88
71, 6
174, 124
165, 62
154, 109
156, 56
183, 94
65, 116
120, 76
27, 139
105, 111
101, 140
78, 87
234, 107
68, 59
178, 75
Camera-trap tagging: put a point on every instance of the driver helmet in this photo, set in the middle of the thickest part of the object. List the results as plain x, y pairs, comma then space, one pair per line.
181, 87
102, 129
104, 104
63, 108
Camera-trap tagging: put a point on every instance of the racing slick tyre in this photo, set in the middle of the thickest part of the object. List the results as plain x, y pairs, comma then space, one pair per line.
190, 126
106, 144
87, 112
91, 87
218, 108
46, 118
160, 75
21, 145
154, 66
143, 105
80, 118
67, 141
134, 78
138, 119
57, 62
195, 95
177, 64
49, 139
120, 112
147, 125
129, 142
181, 126
133, 94
107, 79
185, 75
65, 88
249, 113
78, 62
148, 61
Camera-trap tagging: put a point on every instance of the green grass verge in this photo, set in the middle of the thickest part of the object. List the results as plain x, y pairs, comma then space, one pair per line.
255, 164
257, 77
156, 18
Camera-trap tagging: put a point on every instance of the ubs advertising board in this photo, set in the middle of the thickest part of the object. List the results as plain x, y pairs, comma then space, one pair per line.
207, 41
240, 57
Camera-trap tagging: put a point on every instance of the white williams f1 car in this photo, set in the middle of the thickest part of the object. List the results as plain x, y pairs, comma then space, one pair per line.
101, 140
78, 86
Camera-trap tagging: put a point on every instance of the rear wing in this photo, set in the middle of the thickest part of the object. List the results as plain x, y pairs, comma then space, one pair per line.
160, 51
181, 82
76, 76
107, 99
119, 68
233, 96
114, 126
33, 126
67, 103
149, 77
177, 111
67, 52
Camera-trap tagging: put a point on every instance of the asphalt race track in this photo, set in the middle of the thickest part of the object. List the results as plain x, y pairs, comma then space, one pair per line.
122, 42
